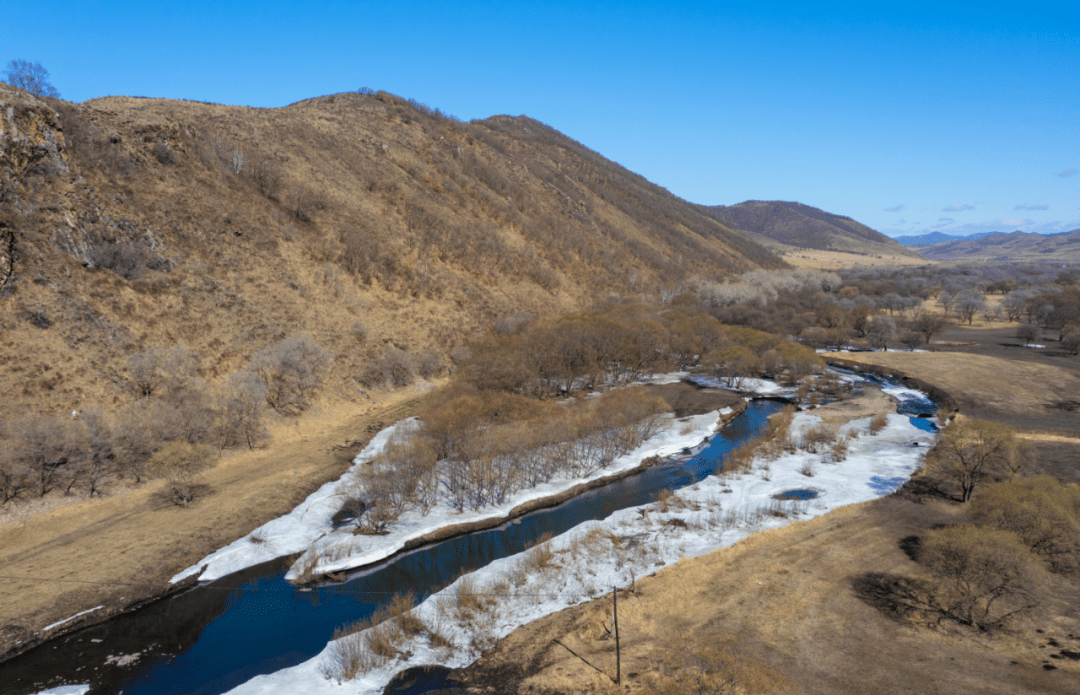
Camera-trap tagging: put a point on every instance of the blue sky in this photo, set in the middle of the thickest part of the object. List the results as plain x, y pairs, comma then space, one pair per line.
908, 117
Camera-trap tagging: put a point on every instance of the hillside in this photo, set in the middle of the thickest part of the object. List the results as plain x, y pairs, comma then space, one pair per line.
1014, 247
786, 227
369, 221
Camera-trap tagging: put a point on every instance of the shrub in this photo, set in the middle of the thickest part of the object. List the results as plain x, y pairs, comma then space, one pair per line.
878, 423
37, 455
181, 464
986, 578
1041, 511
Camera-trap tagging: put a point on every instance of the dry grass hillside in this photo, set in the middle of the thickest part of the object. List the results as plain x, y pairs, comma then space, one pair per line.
786, 227
366, 220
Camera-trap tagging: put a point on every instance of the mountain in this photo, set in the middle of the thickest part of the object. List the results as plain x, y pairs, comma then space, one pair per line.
1016, 247
794, 225
367, 220
938, 238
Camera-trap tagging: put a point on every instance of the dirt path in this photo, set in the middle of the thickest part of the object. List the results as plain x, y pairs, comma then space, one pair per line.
122, 549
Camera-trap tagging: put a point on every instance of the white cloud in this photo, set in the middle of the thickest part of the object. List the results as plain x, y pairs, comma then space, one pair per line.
1066, 173
1032, 207
897, 208
959, 207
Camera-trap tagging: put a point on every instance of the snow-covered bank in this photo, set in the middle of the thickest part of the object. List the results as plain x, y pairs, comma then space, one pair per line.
81, 689
286, 535
67, 620
587, 561
340, 549
308, 529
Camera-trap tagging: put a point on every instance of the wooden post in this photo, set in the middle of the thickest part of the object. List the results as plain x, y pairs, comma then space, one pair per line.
618, 654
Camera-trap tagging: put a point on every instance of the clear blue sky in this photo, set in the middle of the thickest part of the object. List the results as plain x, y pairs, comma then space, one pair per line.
908, 117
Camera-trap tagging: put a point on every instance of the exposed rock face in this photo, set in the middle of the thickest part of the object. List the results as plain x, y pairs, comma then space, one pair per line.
31, 139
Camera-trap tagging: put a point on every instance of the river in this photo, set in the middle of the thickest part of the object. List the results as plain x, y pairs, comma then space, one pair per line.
214, 637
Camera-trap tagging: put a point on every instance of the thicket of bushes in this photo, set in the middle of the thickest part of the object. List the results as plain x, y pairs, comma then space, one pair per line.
500, 426
886, 307
174, 418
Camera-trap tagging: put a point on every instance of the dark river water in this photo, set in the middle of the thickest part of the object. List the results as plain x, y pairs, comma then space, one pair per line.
214, 637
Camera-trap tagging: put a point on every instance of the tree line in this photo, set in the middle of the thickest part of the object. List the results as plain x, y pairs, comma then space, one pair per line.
171, 428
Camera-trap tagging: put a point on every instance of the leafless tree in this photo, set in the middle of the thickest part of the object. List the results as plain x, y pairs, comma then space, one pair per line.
159, 368
43, 447
927, 323
238, 411
291, 371
969, 303
972, 452
986, 578
882, 330
30, 76
95, 447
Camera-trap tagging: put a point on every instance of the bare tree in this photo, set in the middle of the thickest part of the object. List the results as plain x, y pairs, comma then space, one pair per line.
30, 76
971, 452
985, 577
291, 371
969, 303
238, 412
882, 330
160, 368
42, 446
95, 453
927, 323
1028, 333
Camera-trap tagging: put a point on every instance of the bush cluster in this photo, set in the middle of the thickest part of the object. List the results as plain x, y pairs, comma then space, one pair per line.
174, 418
473, 450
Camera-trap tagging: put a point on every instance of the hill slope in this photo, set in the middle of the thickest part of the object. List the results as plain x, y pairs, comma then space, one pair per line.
801, 226
367, 220
1017, 246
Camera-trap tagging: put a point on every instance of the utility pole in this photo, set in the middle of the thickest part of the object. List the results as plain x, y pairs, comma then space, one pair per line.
618, 654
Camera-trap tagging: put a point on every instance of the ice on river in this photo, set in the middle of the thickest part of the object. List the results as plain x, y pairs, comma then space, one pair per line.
714, 513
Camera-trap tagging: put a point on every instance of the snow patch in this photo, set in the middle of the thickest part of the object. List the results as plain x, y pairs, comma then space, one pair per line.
80, 689
65, 620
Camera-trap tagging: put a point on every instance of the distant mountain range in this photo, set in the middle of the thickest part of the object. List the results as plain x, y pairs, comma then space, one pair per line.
998, 246
938, 238
785, 225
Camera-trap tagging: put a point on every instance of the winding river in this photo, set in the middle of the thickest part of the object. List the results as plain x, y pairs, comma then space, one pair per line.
214, 637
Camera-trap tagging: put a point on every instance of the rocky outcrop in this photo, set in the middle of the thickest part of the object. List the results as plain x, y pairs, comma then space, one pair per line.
31, 138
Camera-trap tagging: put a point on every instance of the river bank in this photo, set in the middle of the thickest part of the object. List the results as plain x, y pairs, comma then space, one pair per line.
631, 543
310, 531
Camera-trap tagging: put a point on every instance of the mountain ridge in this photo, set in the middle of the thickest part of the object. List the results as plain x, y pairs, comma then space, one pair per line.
793, 224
